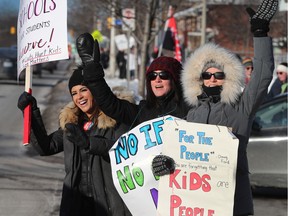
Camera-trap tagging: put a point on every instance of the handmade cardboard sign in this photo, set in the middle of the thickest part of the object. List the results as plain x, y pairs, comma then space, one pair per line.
204, 179
203, 182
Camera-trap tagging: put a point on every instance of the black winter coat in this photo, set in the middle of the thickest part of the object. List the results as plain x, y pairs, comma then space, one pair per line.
90, 166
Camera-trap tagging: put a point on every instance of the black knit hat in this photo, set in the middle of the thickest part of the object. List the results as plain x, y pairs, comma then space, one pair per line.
76, 78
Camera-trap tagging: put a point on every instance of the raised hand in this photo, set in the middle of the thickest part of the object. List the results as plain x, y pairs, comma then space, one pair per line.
89, 52
260, 19
88, 49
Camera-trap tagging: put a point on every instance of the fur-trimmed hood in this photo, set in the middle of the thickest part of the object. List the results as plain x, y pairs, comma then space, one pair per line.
233, 69
70, 113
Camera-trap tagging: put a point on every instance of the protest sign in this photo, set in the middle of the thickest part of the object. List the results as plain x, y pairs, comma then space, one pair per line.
41, 37
131, 158
204, 179
41, 32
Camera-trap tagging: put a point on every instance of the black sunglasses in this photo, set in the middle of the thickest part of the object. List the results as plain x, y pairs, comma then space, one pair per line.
163, 75
217, 75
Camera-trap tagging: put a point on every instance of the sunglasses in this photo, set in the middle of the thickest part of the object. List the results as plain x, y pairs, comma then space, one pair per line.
163, 75
280, 73
217, 75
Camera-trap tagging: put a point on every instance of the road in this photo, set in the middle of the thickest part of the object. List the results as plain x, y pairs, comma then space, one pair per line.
31, 185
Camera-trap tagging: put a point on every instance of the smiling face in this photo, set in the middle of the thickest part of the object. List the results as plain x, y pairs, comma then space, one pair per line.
82, 97
160, 87
212, 82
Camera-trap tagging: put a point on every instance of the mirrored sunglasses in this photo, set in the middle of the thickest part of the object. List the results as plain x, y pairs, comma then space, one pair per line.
217, 75
163, 75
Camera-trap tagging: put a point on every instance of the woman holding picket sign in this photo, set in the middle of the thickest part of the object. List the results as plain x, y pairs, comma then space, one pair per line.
212, 81
85, 135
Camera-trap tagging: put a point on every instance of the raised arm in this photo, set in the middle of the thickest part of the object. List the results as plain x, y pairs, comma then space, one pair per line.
120, 110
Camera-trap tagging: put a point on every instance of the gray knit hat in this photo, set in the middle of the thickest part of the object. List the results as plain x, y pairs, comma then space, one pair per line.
212, 64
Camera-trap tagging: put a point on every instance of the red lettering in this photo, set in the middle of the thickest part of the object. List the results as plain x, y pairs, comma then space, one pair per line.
175, 202
173, 181
210, 212
206, 187
195, 181
177, 210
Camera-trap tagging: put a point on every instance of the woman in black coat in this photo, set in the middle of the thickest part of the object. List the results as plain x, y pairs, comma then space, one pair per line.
164, 92
85, 135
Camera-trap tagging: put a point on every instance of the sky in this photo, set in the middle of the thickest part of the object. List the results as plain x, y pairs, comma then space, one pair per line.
9, 6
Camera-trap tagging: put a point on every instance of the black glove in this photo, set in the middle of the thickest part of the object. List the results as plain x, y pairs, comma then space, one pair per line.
89, 52
25, 99
163, 165
76, 135
260, 19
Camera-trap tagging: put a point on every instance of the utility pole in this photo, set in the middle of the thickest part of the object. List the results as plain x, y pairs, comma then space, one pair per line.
203, 22
112, 58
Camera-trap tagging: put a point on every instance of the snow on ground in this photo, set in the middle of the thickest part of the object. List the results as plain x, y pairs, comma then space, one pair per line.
131, 86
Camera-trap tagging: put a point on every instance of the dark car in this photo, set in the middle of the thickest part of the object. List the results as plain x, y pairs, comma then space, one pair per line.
8, 65
8, 62
267, 148
48, 66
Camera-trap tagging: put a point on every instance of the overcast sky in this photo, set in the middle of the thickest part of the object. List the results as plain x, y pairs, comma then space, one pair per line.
8, 6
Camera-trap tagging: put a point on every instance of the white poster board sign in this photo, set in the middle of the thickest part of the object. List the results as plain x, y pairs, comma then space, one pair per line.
41, 32
131, 160
122, 42
204, 179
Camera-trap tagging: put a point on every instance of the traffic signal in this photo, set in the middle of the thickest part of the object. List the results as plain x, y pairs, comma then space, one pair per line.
109, 22
12, 30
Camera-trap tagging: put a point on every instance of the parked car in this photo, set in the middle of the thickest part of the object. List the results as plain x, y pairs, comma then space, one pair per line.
267, 148
8, 62
8, 65
49, 66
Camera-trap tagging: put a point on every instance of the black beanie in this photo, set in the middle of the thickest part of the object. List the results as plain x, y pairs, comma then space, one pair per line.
76, 79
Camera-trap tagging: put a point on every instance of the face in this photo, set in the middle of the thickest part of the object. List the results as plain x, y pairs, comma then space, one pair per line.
83, 99
213, 82
161, 87
282, 76
248, 71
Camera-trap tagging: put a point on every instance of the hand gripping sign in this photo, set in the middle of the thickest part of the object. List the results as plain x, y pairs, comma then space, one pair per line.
205, 157
41, 37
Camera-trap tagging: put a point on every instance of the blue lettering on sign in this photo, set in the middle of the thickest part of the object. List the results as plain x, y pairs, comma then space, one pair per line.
127, 145
185, 138
157, 128
203, 139
198, 156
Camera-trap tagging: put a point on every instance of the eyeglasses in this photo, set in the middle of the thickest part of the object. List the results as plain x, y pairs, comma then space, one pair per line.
163, 75
217, 75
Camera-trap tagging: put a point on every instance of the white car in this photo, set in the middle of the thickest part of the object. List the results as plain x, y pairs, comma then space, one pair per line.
267, 147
